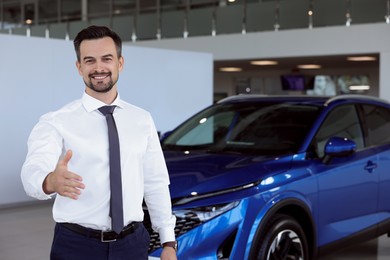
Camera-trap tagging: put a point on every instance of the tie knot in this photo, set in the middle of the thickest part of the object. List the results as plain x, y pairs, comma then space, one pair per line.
105, 110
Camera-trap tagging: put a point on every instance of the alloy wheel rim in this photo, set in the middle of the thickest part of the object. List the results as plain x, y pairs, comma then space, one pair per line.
285, 246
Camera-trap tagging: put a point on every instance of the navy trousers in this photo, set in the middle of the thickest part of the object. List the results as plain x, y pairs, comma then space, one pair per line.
69, 245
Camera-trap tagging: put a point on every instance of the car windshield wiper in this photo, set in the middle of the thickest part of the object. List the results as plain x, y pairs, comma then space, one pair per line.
223, 150
173, 147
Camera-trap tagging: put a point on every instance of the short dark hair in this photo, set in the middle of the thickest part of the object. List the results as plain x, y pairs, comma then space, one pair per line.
97, 32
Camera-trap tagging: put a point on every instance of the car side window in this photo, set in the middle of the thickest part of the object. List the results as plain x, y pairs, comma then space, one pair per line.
343, 121
378, 125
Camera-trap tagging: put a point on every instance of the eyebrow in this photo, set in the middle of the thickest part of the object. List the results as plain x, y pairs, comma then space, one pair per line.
104, 56
108, 55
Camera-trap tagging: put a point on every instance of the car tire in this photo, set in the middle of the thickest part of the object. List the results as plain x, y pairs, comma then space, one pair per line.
284, 238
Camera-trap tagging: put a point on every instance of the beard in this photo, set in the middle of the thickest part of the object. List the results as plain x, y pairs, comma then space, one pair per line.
100, 86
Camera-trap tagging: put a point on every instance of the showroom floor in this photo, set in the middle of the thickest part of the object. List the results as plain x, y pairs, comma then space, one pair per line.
26, 233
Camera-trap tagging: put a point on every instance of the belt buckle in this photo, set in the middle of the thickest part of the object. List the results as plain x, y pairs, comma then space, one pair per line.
105, 240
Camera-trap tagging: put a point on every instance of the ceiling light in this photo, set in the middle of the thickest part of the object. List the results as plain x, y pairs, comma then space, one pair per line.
309, 66
264, 62
359, 87
28, 21
230, 69
361, 58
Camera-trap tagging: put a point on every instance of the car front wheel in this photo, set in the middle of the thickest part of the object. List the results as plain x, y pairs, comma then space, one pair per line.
284, 239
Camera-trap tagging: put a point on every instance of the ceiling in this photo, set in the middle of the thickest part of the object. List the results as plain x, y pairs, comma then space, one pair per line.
326, 62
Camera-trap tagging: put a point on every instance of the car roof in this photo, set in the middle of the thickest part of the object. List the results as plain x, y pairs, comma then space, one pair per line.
313, 100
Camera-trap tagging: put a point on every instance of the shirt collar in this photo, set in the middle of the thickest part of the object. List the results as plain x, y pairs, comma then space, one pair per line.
90, 103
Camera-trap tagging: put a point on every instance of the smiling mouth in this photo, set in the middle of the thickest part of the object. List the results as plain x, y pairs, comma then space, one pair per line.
99, 76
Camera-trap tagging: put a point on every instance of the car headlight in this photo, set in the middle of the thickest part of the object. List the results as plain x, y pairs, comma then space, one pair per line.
206, 213
195, 196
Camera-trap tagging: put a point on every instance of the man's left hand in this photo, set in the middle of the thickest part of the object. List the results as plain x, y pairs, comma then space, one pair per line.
168, 253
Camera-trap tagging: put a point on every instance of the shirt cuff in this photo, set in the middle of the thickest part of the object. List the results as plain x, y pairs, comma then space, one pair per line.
167, 235
42, 195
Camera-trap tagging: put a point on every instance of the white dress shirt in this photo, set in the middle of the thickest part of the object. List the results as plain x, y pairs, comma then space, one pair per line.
80, 127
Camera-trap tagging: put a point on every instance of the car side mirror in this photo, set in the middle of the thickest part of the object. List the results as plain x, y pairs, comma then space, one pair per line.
338, 147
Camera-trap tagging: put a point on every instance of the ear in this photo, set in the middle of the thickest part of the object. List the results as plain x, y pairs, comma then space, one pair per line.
78, 66
121, 63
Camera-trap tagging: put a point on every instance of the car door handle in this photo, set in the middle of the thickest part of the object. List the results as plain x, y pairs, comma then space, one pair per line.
370, 166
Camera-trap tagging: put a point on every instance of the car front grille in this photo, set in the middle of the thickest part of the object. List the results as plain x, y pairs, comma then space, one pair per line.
183, 225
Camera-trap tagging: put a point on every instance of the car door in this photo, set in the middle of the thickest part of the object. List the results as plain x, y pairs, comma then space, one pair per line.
377, 131
348, 192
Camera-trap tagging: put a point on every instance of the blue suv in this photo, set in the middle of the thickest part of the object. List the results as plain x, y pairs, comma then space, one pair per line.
279, 177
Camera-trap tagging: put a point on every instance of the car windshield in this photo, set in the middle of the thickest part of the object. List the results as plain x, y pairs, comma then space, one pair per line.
255, 128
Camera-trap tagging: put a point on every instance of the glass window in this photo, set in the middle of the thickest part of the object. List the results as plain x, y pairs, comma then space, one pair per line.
342, 122
124, 7
71, 10
276, 127
48, 11
258, 128
209, 130
11, 14
97, 8
378, 124
29, 13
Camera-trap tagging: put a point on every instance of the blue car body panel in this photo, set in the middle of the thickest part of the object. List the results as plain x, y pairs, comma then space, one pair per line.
339, 199
194, 172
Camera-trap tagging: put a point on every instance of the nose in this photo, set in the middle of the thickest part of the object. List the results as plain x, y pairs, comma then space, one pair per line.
99, 66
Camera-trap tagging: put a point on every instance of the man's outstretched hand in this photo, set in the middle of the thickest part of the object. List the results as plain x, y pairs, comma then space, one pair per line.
62, 181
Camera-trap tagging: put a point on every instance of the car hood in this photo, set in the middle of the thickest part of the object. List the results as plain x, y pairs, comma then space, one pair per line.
204, 172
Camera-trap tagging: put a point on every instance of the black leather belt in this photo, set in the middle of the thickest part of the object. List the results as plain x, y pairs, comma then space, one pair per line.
104, 236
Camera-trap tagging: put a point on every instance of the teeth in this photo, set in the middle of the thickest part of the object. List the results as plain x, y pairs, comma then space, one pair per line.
99, 77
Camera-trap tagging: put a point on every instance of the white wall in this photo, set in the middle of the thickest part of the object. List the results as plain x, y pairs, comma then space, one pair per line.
336, 40
39, 75
384, 72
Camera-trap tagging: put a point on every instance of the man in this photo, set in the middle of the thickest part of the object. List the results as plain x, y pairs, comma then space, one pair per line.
68, 155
